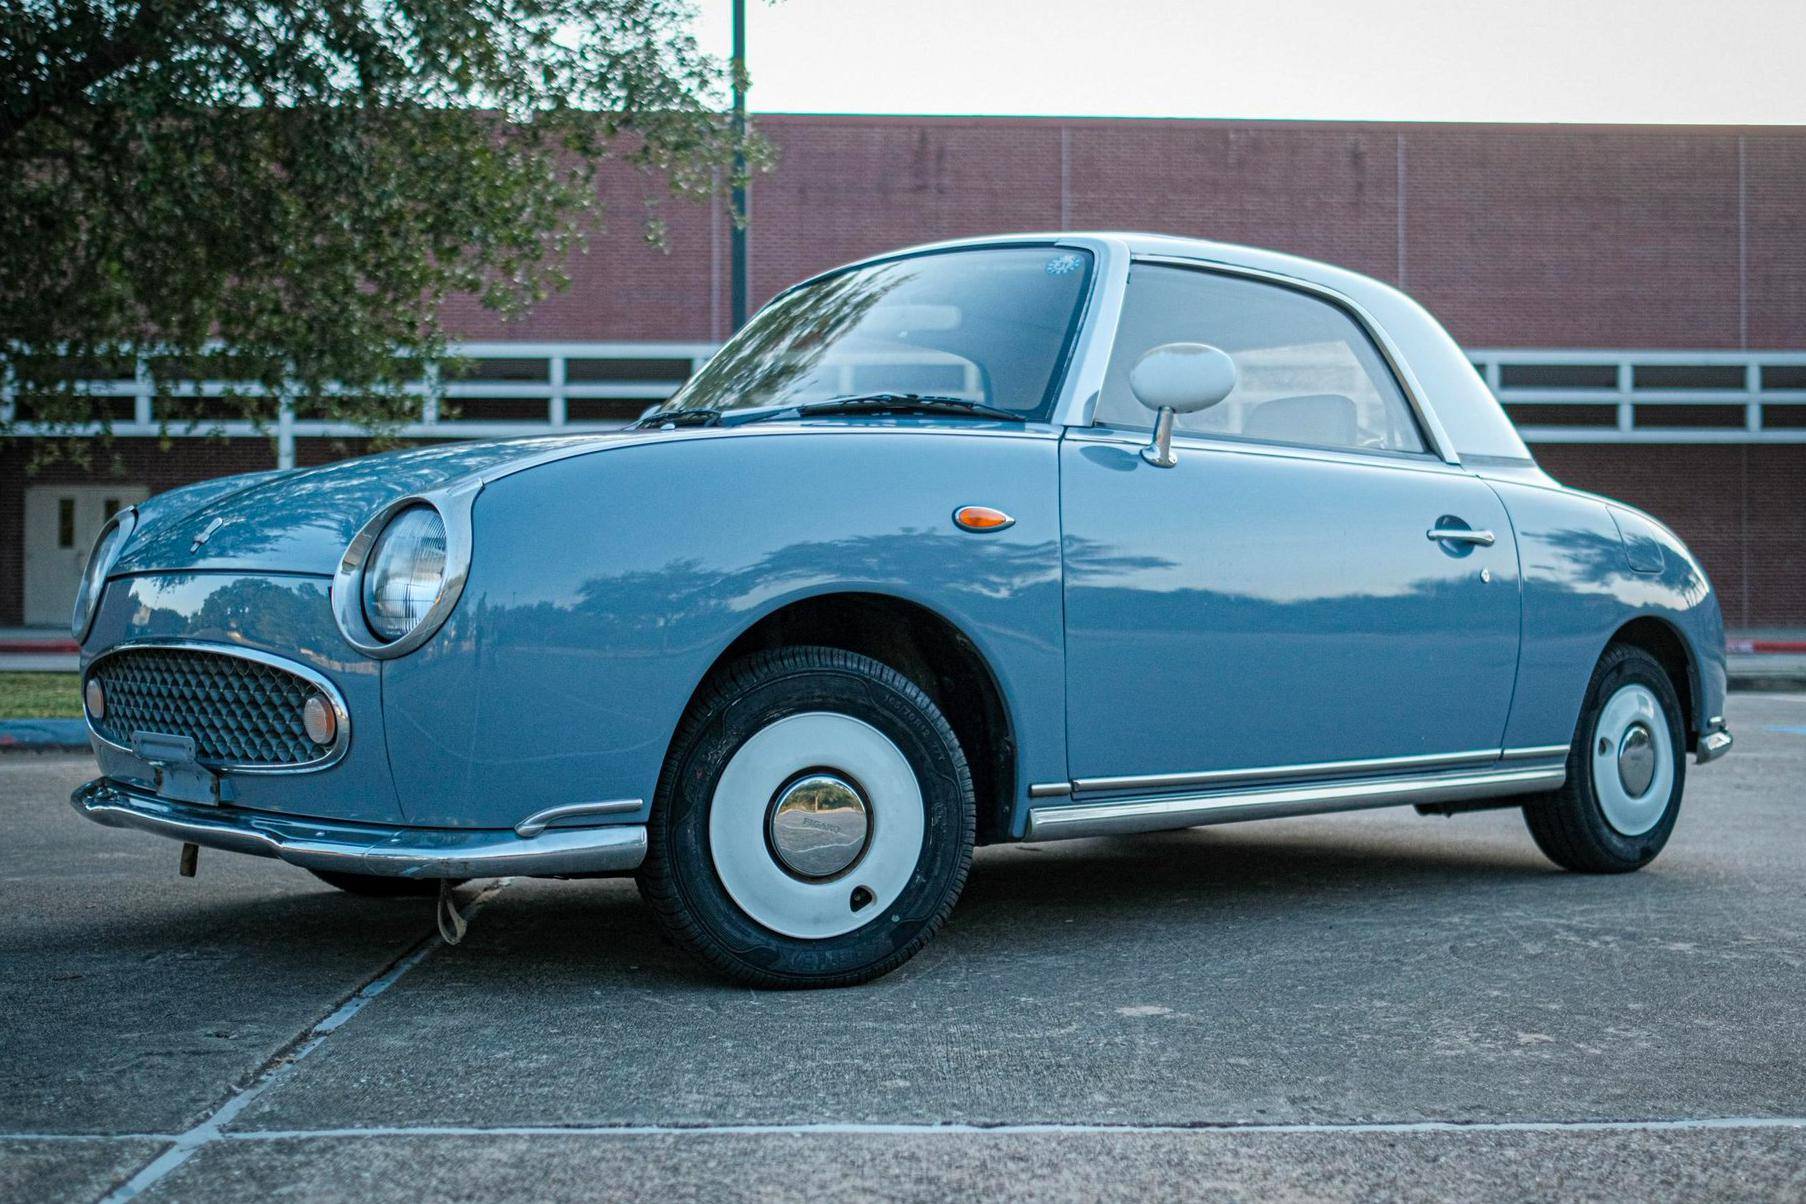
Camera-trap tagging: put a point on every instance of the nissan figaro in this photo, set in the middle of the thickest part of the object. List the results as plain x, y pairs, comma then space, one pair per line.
1009, 539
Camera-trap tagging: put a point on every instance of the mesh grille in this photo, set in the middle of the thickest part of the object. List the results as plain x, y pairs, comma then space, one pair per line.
237, 711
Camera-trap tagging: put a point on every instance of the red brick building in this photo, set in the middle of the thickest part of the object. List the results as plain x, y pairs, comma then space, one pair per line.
1636, 296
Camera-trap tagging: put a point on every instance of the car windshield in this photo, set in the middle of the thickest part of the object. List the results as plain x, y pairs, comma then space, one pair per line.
989, 326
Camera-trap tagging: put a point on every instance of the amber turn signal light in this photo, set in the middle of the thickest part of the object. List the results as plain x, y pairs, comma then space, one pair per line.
982, 518
319, 720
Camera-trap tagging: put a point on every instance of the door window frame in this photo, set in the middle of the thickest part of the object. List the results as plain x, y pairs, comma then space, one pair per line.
1437, 446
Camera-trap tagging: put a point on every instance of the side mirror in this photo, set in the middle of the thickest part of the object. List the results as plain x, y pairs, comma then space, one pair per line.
1178, 378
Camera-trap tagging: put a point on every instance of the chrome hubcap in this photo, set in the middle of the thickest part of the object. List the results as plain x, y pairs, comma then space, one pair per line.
1636, 760
1633, 760
818, 825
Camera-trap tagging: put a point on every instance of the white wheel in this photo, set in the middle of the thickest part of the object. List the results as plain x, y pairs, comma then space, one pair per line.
1633, 760
813, 823
816, 825
1626, 770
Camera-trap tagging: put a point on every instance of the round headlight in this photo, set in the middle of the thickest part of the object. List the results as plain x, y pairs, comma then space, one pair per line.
405, 572
107, 546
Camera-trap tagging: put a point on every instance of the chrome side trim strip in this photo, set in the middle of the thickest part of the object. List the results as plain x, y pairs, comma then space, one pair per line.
313, 677
1049, 789
366, 848
1190, 811
537, 822
1209, 777
1541, 750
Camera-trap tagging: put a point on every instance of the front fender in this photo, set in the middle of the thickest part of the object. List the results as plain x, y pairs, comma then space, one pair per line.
604, 586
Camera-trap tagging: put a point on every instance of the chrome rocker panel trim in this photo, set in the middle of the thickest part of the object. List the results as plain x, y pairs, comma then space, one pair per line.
1372, 766
366, 848
1229, 806
1224, 777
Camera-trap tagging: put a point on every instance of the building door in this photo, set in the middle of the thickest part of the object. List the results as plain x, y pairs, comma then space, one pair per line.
61, 522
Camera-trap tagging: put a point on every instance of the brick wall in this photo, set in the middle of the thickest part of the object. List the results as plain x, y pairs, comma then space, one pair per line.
1515, 236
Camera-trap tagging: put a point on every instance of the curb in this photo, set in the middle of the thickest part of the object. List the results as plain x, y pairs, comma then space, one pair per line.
1764, 647
1766, 681
40, 647
43, 735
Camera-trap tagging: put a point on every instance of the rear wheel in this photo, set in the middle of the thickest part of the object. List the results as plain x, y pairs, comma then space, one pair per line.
1626, 770
813, 824
383, 886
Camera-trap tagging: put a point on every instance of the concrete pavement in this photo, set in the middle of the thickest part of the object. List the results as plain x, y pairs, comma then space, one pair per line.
1349, 1007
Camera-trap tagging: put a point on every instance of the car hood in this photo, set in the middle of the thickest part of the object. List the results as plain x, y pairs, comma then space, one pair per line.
300, 522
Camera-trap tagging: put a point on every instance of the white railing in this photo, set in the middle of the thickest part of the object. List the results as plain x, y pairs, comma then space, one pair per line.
556, 389
1739, 396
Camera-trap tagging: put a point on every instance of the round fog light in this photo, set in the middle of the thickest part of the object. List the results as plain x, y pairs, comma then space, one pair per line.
319, 721
95, 698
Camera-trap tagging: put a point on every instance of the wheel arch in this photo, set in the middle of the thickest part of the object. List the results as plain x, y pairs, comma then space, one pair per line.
1663, 641
925, 646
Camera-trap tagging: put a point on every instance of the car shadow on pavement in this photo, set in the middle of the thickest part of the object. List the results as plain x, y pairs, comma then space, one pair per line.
1046, 900
1019, 901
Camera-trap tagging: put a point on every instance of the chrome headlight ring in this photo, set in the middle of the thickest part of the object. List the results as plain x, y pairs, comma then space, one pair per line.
114, 534
453, 506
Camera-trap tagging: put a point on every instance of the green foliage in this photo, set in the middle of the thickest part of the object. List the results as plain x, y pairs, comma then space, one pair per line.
40, 696
282, 192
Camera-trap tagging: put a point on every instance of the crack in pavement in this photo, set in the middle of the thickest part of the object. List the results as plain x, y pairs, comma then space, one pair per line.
1010, 1129
281, 1067
905, 1129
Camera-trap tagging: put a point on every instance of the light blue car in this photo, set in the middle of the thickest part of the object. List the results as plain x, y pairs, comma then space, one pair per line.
1010, 539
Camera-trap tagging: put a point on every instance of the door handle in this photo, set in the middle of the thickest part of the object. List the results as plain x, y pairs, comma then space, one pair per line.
1459, 535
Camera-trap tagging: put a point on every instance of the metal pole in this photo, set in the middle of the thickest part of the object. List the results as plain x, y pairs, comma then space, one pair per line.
737, 307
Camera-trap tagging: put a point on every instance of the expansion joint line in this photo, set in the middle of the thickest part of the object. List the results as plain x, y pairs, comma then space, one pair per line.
273, 1073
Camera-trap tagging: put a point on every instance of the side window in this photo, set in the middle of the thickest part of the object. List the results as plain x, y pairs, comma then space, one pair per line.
1306, 371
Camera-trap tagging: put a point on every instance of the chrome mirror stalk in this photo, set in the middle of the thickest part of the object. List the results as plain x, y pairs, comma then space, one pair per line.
1159, 451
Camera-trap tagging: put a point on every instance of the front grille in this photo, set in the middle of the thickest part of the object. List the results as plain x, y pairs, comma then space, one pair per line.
238, 712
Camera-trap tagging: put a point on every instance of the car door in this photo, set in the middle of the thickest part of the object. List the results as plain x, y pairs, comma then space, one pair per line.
1274, 599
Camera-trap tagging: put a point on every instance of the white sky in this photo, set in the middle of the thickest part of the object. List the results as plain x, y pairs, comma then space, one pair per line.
1708, 61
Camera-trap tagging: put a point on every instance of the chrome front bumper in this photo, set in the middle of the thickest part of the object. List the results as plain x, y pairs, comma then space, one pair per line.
367, 848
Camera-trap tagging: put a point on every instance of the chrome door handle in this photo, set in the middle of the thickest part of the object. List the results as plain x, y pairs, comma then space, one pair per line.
1459, 535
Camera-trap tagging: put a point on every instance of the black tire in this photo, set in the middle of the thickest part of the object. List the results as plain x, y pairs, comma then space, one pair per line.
1570, 824
679, 878
383, 886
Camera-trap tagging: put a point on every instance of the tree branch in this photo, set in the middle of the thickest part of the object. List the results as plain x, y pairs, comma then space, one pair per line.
145, 34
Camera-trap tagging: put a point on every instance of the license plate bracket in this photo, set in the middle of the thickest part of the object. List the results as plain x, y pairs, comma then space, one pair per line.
180, 777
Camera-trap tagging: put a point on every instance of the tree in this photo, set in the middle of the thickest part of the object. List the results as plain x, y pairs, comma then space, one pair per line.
282, 192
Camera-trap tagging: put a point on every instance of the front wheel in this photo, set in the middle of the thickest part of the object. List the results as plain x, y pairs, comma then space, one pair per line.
813, 824
1626, 769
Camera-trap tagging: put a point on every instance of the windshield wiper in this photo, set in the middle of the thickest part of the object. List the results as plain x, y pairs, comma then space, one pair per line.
885, 403
691, 417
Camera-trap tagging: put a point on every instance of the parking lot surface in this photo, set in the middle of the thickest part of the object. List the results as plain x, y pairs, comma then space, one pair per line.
1347, 1007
